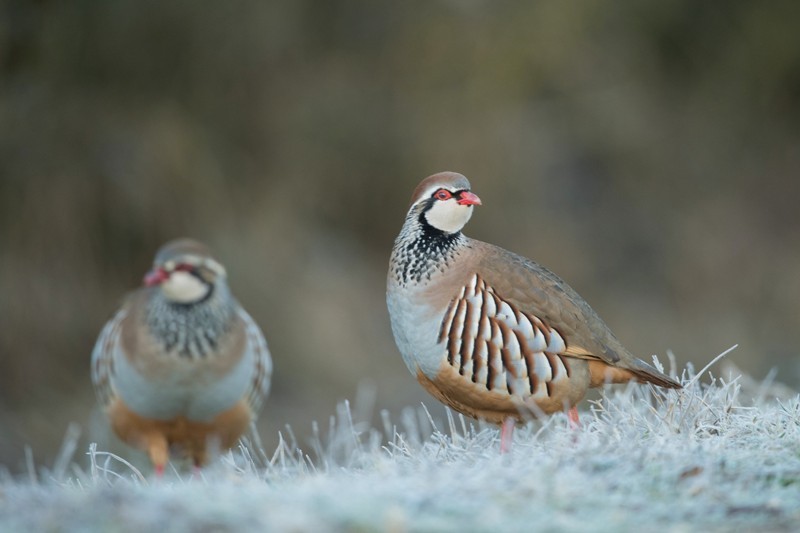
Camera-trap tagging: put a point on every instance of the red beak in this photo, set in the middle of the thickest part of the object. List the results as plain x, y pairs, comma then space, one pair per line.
468, 198
156, 277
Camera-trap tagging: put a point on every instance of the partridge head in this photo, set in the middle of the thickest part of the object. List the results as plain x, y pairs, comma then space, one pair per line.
489, 333
181, 364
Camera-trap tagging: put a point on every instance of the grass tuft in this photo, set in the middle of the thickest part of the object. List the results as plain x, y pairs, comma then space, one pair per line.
722, 454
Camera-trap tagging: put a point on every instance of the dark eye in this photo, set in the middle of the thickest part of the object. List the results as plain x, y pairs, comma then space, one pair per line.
184, 267
442, 194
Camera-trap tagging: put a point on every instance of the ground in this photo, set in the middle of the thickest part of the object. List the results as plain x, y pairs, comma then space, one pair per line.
717, 456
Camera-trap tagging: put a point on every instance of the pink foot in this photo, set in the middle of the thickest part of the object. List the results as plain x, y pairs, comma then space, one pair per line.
574, 421
159, 469
506, 435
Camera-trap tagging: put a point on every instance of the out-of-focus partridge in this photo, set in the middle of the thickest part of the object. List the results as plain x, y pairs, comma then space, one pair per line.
181, 364
488, 332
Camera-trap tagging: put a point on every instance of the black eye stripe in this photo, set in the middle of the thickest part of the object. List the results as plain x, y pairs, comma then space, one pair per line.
453, 194
184, 267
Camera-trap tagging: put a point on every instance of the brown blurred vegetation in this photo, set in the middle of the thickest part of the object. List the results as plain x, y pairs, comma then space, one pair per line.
646, 151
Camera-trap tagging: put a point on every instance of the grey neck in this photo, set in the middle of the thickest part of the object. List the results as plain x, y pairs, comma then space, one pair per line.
192, 330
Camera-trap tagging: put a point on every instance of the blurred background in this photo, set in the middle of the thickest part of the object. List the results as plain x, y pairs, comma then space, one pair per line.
646, 152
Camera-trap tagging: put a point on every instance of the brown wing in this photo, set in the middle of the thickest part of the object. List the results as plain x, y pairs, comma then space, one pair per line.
491, 343
542, 296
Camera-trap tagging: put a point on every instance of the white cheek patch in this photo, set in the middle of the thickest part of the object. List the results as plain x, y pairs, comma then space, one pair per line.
184, 288
448, 215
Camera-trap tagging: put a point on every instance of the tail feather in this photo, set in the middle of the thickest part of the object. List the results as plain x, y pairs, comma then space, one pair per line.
650, 374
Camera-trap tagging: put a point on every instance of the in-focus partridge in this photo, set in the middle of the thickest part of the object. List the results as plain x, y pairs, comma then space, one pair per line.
181, 364
488, 332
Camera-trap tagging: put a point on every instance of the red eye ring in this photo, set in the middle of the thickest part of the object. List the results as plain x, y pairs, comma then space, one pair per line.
442, 194
183, 267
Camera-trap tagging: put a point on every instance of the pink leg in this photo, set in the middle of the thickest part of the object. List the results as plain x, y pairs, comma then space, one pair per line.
507, 434
159, 469
574, 421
